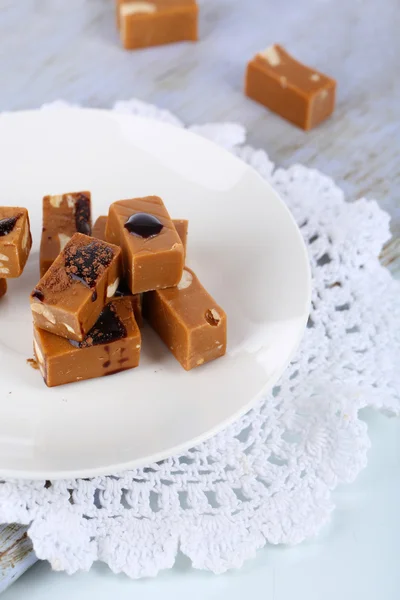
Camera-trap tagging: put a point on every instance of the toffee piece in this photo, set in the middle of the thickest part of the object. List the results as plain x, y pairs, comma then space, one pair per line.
99, 231
156, 22
3, 287
63, 215
99, 228
111, 346
188, 320
153, 254
69, 298
182, 226
15, 240
301, 95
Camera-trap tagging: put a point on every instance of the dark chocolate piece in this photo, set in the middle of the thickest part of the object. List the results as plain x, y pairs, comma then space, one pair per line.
143, 225
38, 294
7, 225
108, 328
83, 215
123, 289
87, 263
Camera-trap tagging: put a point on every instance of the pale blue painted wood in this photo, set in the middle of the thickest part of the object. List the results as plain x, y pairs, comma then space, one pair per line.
52, 49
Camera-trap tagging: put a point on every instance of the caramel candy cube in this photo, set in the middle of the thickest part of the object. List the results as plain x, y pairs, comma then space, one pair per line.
99, 232
136, 299
301, 95
15, 240
182, 226
99, 228
188, 321
63, 215
157, 22
3, 287
111, 346
153, 254
69, 298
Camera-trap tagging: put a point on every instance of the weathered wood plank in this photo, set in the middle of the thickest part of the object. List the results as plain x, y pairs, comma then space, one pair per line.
390, 256
82, 61
16, 554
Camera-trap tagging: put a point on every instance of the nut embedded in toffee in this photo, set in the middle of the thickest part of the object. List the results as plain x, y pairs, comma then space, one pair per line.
15, 240
304, 96
149, 262
68, 300
154, 22
63, 215
111, 346
188, 321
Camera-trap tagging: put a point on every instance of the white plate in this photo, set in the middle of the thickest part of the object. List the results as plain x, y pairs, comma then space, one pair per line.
243, 244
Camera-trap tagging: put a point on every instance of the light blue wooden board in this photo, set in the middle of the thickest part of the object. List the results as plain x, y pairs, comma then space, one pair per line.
57, 49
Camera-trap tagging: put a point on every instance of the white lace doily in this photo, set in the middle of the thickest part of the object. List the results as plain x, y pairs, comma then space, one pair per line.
269, 477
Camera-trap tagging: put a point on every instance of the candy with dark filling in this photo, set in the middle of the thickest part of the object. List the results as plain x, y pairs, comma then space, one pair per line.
302, 95
15, 240
63, 215
69, 298
152, 262
111, 346
99, 231
188, 320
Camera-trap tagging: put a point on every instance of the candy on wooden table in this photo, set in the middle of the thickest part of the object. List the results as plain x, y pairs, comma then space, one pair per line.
111, 346
302, 95
156, 22
153, 254
3, 287
69, 298
188, 320
63, 215
15, 240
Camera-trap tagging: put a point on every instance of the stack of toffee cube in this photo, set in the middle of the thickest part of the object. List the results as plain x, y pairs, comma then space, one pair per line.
96, 285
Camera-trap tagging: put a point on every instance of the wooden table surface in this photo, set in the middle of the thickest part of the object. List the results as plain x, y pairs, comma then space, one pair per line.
52, 49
